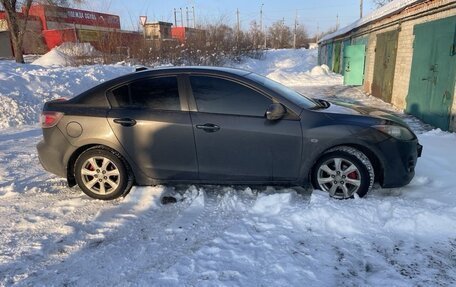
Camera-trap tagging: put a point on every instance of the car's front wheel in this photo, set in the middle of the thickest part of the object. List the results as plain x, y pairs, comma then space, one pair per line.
343, 172
101, 174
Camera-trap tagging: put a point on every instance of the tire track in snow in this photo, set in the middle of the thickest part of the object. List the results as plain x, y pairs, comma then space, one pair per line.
188, 233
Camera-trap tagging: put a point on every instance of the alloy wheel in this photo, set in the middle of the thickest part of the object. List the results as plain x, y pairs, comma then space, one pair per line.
100, 175
340, 177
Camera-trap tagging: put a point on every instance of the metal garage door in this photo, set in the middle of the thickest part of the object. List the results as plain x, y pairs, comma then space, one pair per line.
432, 80
336, 65
5, 45
384, 66
354, 56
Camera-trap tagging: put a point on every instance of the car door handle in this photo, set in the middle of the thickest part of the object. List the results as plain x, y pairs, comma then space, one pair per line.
210, 128
125, 122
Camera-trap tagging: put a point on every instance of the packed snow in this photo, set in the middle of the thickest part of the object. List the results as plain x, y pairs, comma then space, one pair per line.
52, 235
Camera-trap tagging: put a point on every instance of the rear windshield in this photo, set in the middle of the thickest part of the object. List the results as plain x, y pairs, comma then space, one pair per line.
286, 92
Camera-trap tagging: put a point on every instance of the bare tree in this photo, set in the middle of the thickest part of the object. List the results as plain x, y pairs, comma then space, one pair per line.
255, 34
302, 37
279, 35
17, 21
380, 3
17, 24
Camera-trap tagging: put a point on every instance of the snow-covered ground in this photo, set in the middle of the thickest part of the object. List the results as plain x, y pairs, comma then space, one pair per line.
52, 235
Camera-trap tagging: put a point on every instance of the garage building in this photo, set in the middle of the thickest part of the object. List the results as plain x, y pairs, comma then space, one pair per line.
403, 53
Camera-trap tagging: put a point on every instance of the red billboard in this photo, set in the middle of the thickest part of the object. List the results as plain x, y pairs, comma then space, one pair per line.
75, 16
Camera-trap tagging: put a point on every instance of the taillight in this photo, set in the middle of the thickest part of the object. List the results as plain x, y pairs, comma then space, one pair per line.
50, 119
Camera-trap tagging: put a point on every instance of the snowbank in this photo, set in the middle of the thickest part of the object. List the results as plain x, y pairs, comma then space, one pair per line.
293, 68
65, 54
24, 88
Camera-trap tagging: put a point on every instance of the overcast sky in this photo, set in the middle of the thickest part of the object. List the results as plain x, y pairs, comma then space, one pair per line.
312, 14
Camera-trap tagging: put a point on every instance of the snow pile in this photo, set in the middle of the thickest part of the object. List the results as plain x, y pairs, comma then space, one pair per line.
54, 58
24, 88
65, 54
79, 50
293, 68
322, 70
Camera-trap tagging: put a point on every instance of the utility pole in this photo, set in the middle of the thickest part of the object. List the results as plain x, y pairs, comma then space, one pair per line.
175, 17
261, 20
295, 29
318, 33
186, 12
265, 37
360, 9
182, 18
337, 21
238, 27
194, 19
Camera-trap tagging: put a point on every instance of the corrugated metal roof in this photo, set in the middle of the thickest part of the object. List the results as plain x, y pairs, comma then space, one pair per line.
390, 8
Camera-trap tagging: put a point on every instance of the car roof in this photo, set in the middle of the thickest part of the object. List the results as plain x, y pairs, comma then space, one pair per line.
88, 96
195, 69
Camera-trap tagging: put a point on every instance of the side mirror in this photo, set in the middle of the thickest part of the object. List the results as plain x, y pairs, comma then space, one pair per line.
275, 112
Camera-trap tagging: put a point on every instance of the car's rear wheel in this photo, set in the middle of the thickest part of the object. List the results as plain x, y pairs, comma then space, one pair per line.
343, 172
102, 174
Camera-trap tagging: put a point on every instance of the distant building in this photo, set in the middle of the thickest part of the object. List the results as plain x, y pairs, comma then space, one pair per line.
403, 53
33, 38
157, 31
49, 26
182, 34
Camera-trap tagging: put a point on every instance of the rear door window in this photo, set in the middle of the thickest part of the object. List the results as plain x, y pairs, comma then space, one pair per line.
157, 94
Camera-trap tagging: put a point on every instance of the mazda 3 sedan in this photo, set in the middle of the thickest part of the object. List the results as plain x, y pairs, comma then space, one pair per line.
220, 126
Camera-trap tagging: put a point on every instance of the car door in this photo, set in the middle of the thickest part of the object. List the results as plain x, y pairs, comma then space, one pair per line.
152, 122
234, 140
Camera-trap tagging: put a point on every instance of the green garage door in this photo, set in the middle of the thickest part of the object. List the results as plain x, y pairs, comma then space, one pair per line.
432, 80
354, 56
336, 62
330, 55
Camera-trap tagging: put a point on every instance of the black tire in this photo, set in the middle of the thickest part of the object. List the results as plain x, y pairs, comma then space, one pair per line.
102, 174
343, 172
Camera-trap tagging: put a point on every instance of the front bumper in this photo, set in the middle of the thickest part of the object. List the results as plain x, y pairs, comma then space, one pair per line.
400, 161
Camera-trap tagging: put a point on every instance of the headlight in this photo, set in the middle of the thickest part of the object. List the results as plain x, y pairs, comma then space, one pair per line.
397, 132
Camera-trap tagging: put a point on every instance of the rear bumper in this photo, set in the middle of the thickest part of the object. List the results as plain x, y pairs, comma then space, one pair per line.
51, 151
400, 161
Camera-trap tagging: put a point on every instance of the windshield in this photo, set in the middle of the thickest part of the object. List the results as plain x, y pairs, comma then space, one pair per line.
288, 93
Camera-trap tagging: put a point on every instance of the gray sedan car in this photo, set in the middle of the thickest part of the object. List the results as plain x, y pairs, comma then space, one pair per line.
220, 126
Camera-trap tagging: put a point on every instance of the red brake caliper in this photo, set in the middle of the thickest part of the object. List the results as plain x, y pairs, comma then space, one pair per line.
352, 175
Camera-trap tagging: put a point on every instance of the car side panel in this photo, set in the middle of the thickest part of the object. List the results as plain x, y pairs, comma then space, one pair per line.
95, 130
161, 143
248, 148
321, 133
